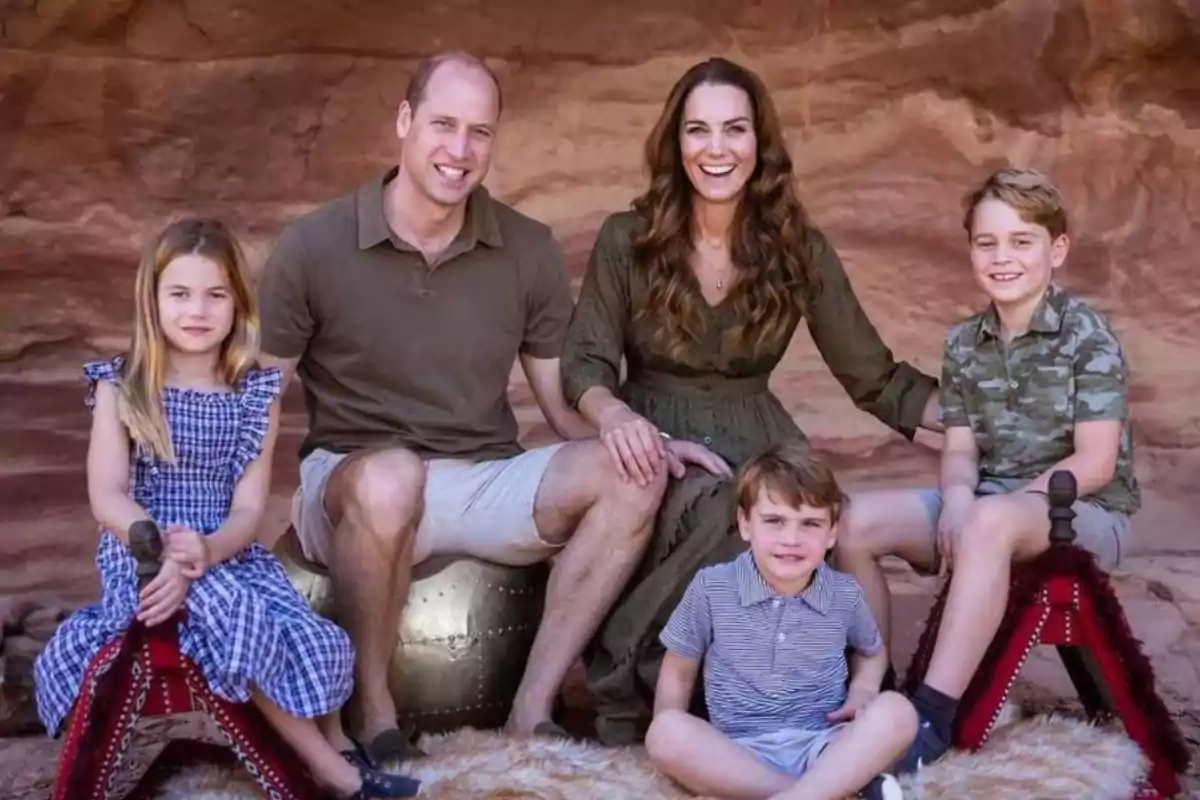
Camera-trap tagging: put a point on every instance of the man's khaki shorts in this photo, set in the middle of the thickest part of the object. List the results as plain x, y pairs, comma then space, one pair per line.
479, 509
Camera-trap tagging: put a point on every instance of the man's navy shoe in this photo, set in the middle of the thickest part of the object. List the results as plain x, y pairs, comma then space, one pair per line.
926, 748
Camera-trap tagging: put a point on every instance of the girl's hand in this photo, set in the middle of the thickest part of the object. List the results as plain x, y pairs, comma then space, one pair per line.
164, 595
188, 549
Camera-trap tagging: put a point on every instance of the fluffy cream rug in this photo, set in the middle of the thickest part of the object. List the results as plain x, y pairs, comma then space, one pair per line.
1047, 757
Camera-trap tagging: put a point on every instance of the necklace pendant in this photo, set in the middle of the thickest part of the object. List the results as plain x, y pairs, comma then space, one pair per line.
720, 283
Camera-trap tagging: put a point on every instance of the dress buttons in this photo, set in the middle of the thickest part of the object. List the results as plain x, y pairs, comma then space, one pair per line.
782, 637
425, 294
708, 440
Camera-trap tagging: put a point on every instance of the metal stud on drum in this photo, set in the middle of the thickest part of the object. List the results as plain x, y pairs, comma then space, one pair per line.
465, 635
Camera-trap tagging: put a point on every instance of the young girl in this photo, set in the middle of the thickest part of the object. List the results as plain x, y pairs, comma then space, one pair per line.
182, 434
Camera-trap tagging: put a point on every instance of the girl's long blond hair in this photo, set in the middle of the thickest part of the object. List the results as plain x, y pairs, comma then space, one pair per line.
142, 377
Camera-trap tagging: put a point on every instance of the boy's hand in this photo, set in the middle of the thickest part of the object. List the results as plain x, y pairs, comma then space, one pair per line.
955, 505
856, 700
164, 595
188, 549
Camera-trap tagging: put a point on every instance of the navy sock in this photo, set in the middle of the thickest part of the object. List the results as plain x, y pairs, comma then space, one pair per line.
939, 709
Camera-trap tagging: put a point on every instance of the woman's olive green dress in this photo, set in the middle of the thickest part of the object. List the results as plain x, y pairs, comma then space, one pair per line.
718, 396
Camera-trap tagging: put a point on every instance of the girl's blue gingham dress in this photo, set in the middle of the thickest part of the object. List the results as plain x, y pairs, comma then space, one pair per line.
246, 626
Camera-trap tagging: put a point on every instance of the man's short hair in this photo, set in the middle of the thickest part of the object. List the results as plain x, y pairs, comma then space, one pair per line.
418, 82
1029, 192
790, 473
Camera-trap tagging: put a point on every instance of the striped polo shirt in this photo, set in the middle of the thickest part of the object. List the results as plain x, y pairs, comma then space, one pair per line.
771, 662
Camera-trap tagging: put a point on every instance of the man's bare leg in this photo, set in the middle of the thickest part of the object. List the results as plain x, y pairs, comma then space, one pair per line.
867, 747
998, 531
376, 501
707, 762
890, 522
608, 524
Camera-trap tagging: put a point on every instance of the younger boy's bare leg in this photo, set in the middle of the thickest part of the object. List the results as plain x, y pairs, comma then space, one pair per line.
707, 762
868, 746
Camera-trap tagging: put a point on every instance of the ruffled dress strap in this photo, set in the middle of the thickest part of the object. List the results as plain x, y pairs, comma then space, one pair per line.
96, 371
259, 389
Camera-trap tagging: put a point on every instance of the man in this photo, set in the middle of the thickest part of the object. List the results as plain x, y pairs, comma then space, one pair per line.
403, 307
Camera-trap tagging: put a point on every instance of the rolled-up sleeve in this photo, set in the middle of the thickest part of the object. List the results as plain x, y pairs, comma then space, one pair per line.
894, 392
595, 341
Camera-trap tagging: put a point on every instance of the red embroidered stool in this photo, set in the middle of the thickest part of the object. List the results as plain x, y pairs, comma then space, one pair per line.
1063, 599
144, 674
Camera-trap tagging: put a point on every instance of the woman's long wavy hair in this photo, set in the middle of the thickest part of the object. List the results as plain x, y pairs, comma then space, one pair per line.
774, 280
144, 373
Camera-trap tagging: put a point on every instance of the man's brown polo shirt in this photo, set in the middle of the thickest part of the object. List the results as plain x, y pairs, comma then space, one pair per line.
397, 352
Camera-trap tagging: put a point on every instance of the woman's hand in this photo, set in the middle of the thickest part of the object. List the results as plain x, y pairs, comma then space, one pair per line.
188, 549
681, 453
164, 595
637, 448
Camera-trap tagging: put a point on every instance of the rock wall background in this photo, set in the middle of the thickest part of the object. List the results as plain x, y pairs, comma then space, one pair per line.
117, 114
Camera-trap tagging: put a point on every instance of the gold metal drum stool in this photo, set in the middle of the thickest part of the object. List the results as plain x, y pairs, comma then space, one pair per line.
465, 635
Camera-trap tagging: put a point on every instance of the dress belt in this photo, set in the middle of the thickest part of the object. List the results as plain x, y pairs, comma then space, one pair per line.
668, 383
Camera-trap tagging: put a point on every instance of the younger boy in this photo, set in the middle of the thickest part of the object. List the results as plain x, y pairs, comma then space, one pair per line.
1034, 384
771, 629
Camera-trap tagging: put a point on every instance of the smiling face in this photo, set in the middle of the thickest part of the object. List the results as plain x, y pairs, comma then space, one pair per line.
788, 542
717, 140
195, 304
1013, 260
448, 137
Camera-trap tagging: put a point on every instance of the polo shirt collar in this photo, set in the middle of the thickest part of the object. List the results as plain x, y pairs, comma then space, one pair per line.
754, 589
1047, 317
480, 225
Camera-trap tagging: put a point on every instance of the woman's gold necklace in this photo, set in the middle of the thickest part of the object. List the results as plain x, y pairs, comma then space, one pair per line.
721, 279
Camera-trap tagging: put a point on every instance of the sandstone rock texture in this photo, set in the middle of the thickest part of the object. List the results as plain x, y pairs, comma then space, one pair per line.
116, 115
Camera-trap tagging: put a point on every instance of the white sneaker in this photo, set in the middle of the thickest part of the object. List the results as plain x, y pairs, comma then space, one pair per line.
883, 787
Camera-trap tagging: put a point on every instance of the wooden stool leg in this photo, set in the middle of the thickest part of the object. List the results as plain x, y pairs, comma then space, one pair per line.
1118, 680
103, 723
83, 744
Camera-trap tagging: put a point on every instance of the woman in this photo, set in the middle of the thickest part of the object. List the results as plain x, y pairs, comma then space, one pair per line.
700, 288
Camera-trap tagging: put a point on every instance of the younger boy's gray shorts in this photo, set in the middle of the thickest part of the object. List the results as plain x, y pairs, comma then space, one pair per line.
792, 750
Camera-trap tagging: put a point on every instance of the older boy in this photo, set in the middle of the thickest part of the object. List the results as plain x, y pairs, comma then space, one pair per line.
771, 629
1033, 384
